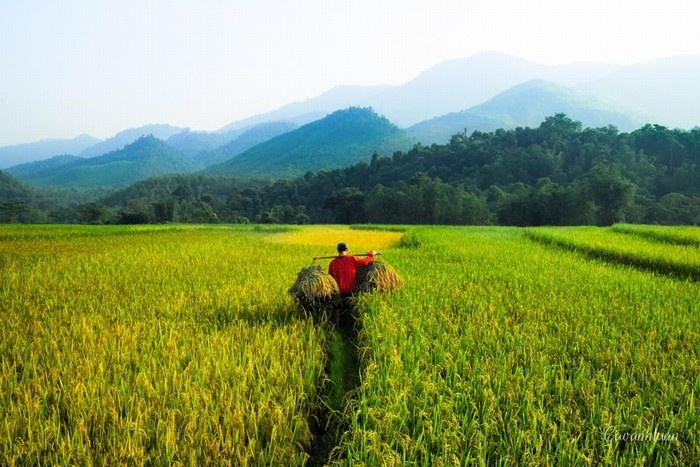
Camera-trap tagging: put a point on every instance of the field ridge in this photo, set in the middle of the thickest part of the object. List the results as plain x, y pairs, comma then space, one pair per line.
611, 255
658, 234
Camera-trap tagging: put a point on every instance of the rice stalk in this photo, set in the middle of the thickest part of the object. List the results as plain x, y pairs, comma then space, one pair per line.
378, 276
314, 289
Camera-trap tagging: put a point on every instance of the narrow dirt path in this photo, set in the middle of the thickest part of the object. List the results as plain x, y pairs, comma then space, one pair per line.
343, 373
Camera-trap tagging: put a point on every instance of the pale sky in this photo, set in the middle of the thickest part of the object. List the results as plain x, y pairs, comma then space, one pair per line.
100, 66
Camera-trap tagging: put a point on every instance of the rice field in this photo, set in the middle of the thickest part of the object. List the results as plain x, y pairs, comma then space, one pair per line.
678, 235
179, 345
649, 251
505, 351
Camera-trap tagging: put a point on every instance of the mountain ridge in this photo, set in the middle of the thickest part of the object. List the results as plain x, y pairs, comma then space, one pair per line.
123, 138
146, 157
662, 90
246, 140
37, 150
341, 138
524, 105
678, 76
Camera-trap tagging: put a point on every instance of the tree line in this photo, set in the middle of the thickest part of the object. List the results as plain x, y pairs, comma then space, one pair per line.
556, 174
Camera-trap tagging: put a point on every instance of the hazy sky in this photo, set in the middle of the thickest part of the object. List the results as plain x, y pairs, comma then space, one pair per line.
100, 66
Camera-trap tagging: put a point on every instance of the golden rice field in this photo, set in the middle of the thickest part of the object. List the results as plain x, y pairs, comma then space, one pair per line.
179, 345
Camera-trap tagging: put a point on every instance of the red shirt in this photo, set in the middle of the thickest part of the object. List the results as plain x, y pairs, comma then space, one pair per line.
344, 271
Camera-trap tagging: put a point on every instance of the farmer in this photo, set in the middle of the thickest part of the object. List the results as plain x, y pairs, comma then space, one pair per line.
344, 270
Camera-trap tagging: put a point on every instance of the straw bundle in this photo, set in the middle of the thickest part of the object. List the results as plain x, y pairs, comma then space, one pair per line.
378, 276
314, 288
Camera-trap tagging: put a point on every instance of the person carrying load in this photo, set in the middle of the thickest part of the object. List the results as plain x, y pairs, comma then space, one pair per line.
343, 269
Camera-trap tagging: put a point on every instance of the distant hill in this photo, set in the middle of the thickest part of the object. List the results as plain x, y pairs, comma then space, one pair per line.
144, 158
43, 168
665, 90
524, 105
247, 139
557, 173
301, 113
195, 142
121, 139
463, 83
12, 189
340, 139
449, 86
18, 201
21, 153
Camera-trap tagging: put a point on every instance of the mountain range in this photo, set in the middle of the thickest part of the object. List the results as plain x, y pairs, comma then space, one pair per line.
146, 157
525, 105
277, 149
451, 86
13, 190
245, 140
28, 152
482, 92
121, 139
342, 138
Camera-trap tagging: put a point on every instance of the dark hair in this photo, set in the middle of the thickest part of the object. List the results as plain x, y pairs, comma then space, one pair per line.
342, 246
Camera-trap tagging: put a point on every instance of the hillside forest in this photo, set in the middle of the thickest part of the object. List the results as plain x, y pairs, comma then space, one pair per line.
558, 173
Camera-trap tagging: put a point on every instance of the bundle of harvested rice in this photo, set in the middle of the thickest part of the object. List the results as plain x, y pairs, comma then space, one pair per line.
314, 289
378, 276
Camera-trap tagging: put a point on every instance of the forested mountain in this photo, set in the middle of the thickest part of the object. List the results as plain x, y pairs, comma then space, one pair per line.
247, 139
42, 168
12, 189
662, 91
195, 142
208, 148
22, 153
447, 87
558, 173
340, 139
524, 105
19, 202
301, 113
146, 157
123, 138
462, 83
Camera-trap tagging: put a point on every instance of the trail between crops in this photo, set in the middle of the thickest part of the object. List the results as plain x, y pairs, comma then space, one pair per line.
343, 370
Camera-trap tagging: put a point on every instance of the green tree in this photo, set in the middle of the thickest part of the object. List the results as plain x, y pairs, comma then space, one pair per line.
612, 194
92, 213
348, 205
164, 210
675, 208
10, 211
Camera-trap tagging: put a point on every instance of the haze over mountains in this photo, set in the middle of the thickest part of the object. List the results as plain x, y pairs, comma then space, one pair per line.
460, 84
525, 104
146, 157
269, 149
21, 153
482, 92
